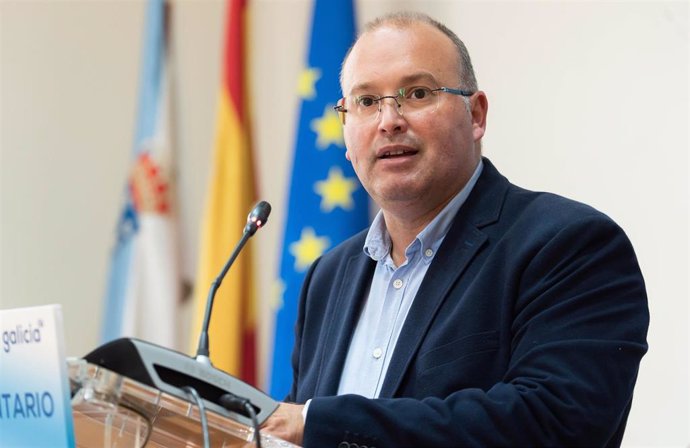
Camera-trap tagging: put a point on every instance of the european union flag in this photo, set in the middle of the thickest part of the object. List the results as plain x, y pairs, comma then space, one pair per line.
327, 204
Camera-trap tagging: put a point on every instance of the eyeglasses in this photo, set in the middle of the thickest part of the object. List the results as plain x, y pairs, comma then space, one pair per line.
412, 101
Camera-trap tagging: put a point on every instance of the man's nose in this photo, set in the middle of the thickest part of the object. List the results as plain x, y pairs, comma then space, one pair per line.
396, 103
390, 117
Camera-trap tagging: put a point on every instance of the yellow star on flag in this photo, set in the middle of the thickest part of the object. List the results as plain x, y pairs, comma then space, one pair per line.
336, 191
328, 129
308, 248
306, 84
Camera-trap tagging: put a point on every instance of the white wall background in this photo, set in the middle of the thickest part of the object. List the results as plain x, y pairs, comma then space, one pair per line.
587, 99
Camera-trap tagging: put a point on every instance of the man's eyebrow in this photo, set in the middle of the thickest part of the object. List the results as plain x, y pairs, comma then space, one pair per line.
361, 87
416, 77
404, 81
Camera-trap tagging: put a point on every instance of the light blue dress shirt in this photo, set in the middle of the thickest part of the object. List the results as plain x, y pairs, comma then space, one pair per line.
392, 292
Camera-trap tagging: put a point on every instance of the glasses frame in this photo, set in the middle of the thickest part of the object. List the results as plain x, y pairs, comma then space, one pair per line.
341, 110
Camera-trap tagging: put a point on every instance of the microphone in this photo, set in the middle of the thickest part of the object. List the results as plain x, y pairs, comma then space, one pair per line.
255, 220
257, 217
174, 372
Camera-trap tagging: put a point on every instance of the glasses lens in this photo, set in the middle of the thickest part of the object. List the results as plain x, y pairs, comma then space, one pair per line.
419, 100
366, 107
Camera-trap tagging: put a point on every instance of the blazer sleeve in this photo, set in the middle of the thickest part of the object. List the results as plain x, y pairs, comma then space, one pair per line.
578, 332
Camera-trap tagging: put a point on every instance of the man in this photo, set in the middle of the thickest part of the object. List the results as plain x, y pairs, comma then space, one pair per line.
472, 312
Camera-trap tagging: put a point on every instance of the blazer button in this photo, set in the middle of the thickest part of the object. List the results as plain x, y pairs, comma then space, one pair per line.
344, 445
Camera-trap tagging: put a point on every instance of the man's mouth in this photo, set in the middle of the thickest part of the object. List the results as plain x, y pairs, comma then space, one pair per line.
397, 153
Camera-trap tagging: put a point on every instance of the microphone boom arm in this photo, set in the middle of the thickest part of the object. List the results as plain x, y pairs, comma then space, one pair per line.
255, 220
202, 351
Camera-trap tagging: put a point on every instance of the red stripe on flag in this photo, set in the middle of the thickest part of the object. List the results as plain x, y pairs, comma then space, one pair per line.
234, 55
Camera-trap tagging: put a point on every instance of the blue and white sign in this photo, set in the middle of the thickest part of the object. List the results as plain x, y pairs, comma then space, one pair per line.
35, 408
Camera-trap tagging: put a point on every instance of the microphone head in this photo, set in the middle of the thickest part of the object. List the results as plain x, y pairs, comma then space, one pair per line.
257, 217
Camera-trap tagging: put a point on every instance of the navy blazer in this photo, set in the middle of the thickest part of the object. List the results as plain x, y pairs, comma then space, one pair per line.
527, 330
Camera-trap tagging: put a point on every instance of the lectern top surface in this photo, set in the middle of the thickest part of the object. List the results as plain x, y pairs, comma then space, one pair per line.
111, 410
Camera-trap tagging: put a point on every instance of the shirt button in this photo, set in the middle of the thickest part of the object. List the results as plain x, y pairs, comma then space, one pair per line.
428, 252
397, 284
377, 352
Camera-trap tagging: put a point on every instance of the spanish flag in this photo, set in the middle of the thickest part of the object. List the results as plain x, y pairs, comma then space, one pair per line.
230, 196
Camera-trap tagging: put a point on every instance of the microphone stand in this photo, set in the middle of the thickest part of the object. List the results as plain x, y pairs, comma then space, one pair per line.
202, 351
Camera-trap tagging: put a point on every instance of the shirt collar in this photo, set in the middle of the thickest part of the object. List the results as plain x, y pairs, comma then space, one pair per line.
378, 242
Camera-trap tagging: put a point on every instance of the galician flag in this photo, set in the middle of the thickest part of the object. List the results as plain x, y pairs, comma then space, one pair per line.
144, 287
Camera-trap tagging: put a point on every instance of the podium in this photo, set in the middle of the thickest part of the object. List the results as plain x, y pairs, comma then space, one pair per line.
114, 411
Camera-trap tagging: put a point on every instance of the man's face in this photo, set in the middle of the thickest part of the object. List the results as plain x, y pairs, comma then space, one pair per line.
415, 159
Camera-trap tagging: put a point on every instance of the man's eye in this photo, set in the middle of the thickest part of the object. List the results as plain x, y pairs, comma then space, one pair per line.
419, 93
366, 101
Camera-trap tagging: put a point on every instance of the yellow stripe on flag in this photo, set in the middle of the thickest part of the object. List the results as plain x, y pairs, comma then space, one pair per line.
231, 196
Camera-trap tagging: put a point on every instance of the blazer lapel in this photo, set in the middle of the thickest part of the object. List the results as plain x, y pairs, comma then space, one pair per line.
433, 290
461, 244
343, 318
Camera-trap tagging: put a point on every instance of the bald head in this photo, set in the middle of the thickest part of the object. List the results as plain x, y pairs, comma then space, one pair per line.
468, 81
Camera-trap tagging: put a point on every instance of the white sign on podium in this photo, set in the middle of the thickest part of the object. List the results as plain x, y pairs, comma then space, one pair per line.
35, 407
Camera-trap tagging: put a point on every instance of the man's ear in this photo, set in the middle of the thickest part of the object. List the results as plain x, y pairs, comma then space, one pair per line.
479, 106
347, 148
